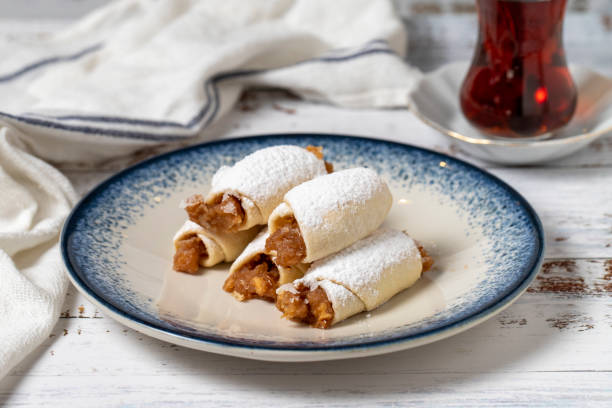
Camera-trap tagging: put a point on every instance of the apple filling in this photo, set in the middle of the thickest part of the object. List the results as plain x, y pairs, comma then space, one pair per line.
287, 243
306, 306
256, 279
188, 253
224, 214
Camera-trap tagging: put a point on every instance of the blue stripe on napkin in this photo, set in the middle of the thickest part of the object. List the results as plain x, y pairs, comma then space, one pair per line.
206, 114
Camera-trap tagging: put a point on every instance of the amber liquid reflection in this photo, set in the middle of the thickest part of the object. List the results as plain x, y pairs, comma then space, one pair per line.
518, 84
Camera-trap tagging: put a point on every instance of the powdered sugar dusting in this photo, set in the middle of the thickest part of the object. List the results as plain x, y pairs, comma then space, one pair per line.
288, 287
256, 246
344, 302
267, 174
374, 268
188, 228
366, 274
337, 209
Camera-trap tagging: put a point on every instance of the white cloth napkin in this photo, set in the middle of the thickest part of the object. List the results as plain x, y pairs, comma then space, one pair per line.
34, 200
140, 72
136, 73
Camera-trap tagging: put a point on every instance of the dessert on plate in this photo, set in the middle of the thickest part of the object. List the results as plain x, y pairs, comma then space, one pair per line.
245, 194
326, 214
195, 246
240, 201
359, 278
323, 256
255, 275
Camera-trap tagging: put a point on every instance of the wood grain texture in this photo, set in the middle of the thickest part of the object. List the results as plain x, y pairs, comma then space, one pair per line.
574, 207
92, 358
578, 389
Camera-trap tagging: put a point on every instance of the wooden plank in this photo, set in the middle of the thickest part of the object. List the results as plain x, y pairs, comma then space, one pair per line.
213, 389
574, 207
497, 362
574, 278
542, 327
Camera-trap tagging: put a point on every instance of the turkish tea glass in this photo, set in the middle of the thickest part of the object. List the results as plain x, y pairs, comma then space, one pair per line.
518, 84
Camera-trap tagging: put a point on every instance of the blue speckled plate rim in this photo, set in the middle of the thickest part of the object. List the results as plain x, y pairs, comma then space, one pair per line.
469, 321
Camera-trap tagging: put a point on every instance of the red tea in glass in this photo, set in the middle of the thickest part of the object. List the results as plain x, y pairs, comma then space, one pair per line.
519, 84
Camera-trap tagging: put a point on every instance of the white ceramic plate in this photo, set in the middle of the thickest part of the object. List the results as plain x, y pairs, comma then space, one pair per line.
486, 241
435, 100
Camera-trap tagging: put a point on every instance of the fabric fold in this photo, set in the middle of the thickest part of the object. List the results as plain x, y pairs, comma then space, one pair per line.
138, 73
34, 201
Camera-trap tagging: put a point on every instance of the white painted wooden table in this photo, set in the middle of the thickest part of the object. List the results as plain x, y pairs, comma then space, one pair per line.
553, 347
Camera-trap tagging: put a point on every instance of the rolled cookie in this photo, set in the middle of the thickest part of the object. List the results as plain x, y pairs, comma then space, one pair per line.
327, 214
254, 275
358, 278
251, 188
195, 246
